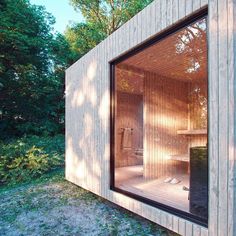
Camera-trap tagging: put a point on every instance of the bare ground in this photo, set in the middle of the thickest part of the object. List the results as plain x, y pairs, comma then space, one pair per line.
53, 206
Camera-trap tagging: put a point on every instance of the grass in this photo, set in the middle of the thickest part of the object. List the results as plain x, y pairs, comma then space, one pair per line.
52, 206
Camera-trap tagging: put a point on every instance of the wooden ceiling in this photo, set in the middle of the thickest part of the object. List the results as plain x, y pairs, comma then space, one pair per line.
180, 56
129, 80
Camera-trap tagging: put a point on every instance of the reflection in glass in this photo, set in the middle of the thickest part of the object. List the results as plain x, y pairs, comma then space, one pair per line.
161, 121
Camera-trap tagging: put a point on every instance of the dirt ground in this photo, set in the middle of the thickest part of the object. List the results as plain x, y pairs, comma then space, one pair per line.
53, 206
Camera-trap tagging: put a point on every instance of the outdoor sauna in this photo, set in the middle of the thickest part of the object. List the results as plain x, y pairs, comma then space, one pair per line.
150, 116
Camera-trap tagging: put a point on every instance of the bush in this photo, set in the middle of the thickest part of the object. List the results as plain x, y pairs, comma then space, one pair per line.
30, 157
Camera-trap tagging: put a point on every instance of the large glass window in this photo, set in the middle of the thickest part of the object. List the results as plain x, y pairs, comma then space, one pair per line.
160, 122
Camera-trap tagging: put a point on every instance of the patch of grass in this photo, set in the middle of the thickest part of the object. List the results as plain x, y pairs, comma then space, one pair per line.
51, 205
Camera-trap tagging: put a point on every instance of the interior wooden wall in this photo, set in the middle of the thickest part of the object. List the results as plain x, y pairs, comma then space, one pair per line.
129, 114
165, 112
162, 98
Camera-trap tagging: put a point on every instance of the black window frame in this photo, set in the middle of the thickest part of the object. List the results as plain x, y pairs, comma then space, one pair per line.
200, 14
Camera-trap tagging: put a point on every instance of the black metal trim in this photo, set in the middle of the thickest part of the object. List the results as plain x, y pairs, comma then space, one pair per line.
161, 206
162, 35
112, 126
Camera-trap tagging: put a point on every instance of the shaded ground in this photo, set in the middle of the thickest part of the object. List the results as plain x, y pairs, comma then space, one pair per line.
53, 206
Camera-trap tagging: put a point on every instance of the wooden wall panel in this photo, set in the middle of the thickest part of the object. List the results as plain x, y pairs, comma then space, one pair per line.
165, 112
160, 127
213, 117
188, 7
231, 35
196, 4
223, 118
129, 115
87, 112
175, 10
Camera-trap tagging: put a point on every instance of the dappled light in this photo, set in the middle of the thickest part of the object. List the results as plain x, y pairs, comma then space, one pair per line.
80, 95
88, 124
85, 146
78, 99
104, 109
92, 69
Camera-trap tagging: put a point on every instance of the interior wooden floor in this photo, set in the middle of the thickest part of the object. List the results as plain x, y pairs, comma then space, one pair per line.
131, 179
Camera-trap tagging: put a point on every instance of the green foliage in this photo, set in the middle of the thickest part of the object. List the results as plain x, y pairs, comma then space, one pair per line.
82, 37
30, 157
101, 19
108, 15
33, 59
31, 86
24, 36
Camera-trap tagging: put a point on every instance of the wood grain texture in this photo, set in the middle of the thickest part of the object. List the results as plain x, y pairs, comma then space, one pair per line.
175, 10
129, 115
213, 117
223, 118
232, 118
196, 230
182, 7
204, 3
165, 102
182, 228
196, 5
130, 179
87, 112
188, 7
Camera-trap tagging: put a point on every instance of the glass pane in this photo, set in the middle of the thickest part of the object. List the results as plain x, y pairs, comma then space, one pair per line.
161, 122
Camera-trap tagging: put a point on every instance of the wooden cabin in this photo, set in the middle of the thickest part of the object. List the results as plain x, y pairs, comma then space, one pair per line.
150, 116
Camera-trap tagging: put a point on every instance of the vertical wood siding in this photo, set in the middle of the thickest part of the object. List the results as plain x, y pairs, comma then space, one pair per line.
87, 112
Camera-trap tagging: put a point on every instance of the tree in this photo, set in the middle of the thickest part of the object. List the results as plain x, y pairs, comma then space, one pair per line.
33, 59
102, 17
108, 15
29, 89
82, 37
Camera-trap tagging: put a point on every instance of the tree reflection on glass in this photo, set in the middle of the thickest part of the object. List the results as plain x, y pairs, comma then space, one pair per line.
191, 42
